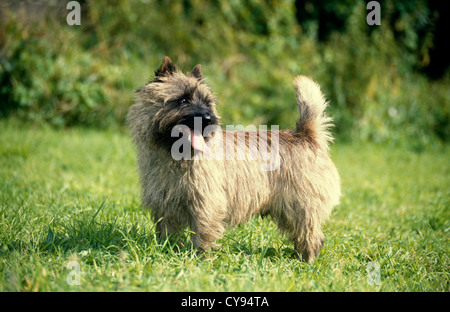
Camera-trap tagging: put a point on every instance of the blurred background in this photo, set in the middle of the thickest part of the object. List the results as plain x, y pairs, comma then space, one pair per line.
387, 83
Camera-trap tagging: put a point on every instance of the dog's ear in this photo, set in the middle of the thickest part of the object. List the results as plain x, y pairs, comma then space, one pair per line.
197, 72
167, 68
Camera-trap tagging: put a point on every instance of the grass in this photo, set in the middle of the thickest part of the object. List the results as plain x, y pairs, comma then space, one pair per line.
73, 195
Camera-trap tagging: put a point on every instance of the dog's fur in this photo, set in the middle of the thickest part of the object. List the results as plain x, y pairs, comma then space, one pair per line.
208, 194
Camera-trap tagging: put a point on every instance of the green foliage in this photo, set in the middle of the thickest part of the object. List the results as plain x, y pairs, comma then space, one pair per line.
46, 81
250, 52
375, 94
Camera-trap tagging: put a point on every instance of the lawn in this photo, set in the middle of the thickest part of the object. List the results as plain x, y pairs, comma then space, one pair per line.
70, 220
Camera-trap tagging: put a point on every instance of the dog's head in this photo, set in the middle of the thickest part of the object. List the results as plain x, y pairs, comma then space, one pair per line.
175, 104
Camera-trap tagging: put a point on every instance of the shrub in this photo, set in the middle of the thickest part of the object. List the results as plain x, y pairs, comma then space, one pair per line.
46, 79
251, 51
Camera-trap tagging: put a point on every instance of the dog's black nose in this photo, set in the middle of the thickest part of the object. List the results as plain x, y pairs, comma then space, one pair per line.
206, 115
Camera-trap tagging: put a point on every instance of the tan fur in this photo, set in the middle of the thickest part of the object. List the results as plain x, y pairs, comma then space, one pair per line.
209, 194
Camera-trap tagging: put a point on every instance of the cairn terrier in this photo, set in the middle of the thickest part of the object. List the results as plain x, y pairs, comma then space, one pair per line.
194, 174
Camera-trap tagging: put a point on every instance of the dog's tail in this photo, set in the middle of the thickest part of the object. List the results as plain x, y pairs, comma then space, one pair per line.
313, 124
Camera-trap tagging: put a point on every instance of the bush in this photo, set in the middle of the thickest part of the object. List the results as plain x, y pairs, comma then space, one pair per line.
250, 52
46, 81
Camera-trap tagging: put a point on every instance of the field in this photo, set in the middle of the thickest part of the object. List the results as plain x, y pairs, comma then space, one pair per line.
70, 220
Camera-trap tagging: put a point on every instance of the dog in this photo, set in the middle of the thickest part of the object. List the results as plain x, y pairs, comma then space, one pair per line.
194, 174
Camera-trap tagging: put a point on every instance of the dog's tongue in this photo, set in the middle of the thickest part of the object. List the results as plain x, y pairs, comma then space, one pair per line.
198, 142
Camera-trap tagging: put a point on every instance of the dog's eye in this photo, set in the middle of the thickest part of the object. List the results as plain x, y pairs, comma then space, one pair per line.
183, 101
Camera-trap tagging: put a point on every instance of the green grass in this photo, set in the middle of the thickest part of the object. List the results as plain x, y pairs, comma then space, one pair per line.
73, 195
